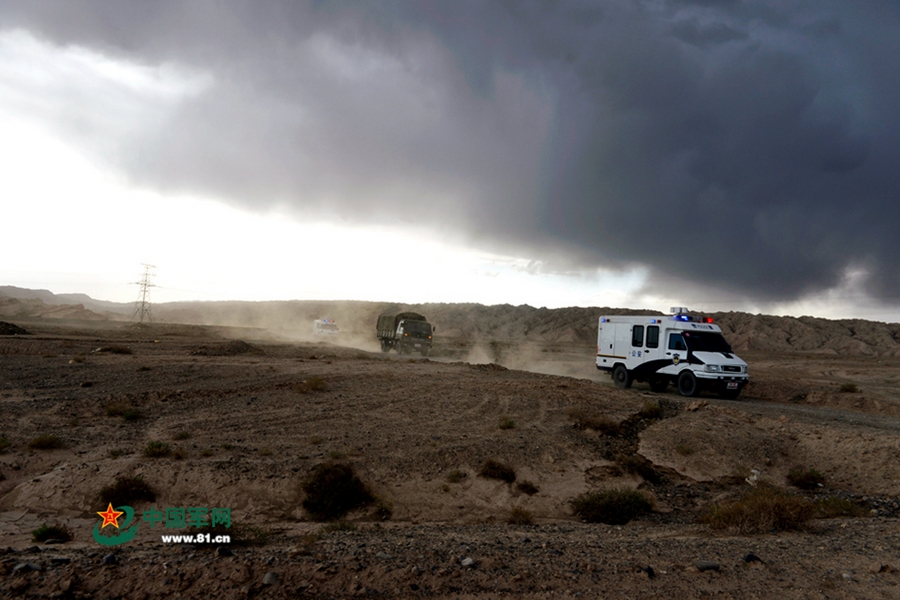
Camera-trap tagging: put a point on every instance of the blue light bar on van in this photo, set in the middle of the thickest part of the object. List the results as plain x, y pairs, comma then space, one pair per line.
654, 320
603, 320
682, 318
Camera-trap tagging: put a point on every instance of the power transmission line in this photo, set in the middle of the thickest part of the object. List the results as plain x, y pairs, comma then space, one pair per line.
142, 306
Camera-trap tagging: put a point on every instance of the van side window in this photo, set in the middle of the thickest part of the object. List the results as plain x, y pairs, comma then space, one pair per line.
676, 342
652, 336
637, 336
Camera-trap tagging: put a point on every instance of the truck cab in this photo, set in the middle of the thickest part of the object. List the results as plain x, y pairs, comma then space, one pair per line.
686, 351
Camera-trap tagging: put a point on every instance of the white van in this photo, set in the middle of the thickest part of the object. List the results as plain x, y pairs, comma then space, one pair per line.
325, 328
687, 351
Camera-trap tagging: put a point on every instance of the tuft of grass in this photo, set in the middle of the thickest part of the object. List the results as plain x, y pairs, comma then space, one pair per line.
849, 388
310, 384
51, 532
599, 423
227, 446
805, 479
127, 491
384, 509
615, 506
684, 449
506, 423
332, 490
493, 469
4, 444
764, 508
117, 452
833, 507
520, 516
181, 435
265, 451
526, 487
157, 449
47, 441
650, 410
455, 476
316, 440
206, 452
337, 455
124, 410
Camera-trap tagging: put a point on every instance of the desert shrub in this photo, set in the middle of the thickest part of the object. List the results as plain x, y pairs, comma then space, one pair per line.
833, 507
506, 423
599, 423
181, 435
455, 476
117, 452
805, 479
4, 444
127, 491
124, 410
650, 410
339, 525
526, 487
613, 507
849, 388
762, 509
493, 469
520, 516
333, 490
47, 441
310, 384
51, 532
157, 449
384, 509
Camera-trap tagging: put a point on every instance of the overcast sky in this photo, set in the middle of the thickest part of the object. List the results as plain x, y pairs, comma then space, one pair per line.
725, 154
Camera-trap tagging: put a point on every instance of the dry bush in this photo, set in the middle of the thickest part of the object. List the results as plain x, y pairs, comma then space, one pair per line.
493, 469
833, 507
526, 487
764, 508
310, 384
157, 449
181, 435
805, 479
47, 441
506, 423
384, 509
127, 491
599, 423
124, 410
51, 532
650, 410
332, 490
613, 507
684, 450
849, 388
4, 444
520, 516
455, 476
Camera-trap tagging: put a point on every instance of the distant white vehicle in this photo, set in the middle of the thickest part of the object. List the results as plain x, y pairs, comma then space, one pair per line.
687, 351
325, 328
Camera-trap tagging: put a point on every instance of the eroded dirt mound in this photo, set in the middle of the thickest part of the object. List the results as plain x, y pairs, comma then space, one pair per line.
232, 348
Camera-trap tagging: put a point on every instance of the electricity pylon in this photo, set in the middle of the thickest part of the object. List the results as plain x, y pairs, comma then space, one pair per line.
142, 306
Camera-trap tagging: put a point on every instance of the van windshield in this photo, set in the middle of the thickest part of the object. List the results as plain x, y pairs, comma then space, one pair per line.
702, 341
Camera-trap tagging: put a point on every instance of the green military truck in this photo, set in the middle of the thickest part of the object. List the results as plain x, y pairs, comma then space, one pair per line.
408, 332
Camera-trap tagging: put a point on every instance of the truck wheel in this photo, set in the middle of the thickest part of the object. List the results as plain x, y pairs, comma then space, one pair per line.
424, 352
385, 347
659, 384
621, 377
687, 384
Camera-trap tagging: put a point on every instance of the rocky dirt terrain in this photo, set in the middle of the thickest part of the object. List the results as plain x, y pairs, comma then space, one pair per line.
240, 418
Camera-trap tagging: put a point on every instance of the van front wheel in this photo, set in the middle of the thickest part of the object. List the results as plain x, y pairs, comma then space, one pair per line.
687, 384
621, 377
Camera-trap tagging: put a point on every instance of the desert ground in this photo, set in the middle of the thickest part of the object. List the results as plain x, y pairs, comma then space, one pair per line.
247, 416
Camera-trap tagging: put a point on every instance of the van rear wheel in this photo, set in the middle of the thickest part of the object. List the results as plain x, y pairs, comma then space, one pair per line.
621, 377
687, 384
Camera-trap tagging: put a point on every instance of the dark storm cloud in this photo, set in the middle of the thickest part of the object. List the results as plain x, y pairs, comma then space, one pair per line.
749, 146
